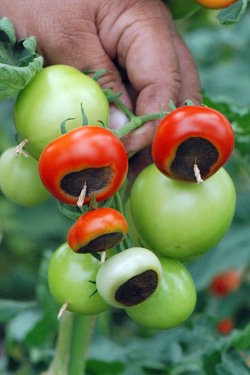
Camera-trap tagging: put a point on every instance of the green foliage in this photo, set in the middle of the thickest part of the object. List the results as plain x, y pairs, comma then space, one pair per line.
18, 60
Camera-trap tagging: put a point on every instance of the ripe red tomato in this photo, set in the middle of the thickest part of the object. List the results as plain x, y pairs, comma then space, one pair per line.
97, 230
89, 155
216, 4
225, 282
192, 135
225, 326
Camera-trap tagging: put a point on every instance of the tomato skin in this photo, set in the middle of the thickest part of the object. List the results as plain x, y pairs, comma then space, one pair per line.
225, 326
122, 267
80, 149
182, 9
216, 4
68, 277
55, 94
192, 122
179, 219
94, 224
225, 282
173, 301
19, 179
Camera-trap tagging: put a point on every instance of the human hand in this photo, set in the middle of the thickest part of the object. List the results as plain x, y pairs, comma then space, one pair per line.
134, 39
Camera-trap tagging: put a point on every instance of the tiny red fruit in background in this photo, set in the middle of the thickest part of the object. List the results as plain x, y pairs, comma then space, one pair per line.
192, 135
225, 282
225, 326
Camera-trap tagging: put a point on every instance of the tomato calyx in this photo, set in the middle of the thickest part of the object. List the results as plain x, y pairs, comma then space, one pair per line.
19, 148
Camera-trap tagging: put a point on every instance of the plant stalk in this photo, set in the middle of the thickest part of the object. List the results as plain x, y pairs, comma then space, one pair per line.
81, 333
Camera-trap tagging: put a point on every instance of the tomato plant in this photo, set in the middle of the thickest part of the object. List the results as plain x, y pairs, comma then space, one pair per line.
97, 230
71, 280
55, 94
19, 179
225, 282
129, 277
178, 219
216, 4
90, 157
173, 301
189, 136
182, 9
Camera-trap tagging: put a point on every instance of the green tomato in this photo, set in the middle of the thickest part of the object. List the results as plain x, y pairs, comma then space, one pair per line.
132, 231
20, 180
182, 8
71, 279
54, 95
181, 219
129, 277
172, 303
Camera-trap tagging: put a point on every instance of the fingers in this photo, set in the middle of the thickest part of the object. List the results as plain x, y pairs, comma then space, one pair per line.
146, 49
190, 82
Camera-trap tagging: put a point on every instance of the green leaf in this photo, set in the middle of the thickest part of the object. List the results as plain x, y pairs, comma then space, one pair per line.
9, 309
233, 13
232, 364
242, 340
19, 62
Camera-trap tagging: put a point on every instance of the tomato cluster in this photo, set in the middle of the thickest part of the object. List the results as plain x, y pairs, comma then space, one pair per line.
171, 215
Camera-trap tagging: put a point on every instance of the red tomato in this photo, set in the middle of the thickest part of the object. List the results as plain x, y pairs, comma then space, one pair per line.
192, 135
88, 156
216, 4
225, 326
97, 230
225, 282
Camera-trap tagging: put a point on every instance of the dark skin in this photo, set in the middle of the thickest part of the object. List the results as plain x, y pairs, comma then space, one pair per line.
134, 39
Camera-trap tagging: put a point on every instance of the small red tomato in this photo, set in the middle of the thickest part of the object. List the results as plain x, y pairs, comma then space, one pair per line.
225, 326
97, 230
216, 4
192, 136
225, 282
88, 159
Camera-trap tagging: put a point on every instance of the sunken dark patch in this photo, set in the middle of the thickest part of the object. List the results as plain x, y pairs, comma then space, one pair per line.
195, 150
101, 243
137, 289
97, 179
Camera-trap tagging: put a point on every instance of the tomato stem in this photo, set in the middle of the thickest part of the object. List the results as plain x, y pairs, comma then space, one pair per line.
136, 122
59, 364
19, 148
81, 333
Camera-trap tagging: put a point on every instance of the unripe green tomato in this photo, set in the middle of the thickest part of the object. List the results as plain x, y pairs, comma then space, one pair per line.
71, 278
132, 231
172, 303
180, 219
129, 277
182, 8
20, 180
54, 95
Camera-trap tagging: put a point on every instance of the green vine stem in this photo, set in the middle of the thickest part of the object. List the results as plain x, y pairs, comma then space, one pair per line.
59, 364
81, 333
137, 122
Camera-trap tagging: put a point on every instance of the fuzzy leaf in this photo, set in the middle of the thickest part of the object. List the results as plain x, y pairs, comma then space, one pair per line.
233, 13
19, 62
